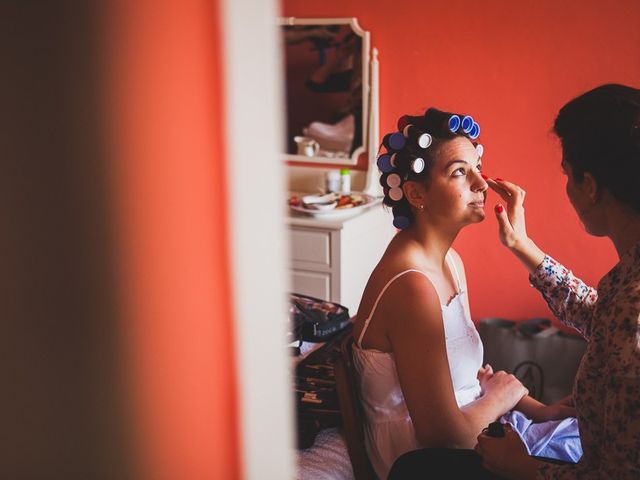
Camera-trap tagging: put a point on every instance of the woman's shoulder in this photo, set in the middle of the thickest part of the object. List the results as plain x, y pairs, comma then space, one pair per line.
397, 297
397, 280
401, 286
406, 302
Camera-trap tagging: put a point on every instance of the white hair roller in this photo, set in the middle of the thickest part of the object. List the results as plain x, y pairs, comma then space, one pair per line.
424, 140
417, 165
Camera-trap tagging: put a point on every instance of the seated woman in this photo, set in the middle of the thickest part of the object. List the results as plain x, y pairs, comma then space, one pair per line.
417, 351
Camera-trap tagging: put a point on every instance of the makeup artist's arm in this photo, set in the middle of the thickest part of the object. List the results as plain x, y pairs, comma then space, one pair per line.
513, 231
570, 299
416, 333
539, 412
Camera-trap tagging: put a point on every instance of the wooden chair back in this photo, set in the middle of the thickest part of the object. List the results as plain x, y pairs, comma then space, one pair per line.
352, 412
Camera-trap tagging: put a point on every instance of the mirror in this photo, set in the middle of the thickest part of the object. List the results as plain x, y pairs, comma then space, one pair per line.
330, 115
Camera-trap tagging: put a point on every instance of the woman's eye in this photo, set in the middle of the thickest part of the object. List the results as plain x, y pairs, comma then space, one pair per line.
458, 172
479, 167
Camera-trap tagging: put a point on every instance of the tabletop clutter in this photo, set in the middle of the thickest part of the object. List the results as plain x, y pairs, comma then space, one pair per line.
323, 323
328, 201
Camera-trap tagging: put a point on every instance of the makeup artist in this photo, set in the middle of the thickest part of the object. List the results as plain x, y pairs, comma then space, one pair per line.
600, 136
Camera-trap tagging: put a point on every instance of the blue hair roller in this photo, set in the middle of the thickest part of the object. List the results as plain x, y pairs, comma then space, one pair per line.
454, 123
467, 123
396, 141
475, 131
384, 163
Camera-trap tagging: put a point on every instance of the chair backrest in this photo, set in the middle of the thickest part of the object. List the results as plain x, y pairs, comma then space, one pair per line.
351, 411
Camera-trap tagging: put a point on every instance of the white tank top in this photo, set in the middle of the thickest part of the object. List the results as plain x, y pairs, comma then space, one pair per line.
389, 430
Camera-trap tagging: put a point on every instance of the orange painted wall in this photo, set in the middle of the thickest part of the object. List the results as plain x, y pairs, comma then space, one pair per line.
511, 65
164, 75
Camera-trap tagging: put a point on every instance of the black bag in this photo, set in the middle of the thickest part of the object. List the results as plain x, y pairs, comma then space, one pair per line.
543, 358
315, 320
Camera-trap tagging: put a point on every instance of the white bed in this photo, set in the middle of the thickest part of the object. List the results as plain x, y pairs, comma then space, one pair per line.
327, 459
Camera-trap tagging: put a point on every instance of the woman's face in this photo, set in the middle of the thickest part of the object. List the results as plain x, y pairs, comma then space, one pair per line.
456, 190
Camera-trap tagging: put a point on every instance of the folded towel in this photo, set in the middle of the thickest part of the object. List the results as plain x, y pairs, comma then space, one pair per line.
559, 439
336, 137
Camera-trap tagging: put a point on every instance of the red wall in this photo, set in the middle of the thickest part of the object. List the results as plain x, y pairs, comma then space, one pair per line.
512, 66
164, 72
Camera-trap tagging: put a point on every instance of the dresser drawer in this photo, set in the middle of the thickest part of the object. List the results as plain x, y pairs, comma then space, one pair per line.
311, 247
315, 284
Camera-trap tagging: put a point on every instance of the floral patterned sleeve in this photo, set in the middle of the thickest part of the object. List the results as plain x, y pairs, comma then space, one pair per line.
569, 298
618, 443
608, 379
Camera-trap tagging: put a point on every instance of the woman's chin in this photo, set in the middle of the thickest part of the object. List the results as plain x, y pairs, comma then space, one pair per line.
472, 219
478, 216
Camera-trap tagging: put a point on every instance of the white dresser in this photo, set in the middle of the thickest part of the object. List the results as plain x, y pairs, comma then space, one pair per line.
333, 258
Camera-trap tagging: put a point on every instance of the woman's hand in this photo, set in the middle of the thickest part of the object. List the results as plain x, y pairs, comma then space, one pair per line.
511, 221
505, 388
484, 374
506, 456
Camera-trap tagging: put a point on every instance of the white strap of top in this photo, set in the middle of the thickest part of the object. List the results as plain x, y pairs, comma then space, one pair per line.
375, 305
452, 264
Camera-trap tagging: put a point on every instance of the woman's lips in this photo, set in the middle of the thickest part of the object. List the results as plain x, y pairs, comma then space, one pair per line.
478, 204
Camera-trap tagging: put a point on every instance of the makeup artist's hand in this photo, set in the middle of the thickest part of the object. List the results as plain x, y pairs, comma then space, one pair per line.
512, 228
506, 456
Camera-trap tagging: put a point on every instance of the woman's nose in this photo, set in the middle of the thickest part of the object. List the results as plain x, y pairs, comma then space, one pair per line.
479, 184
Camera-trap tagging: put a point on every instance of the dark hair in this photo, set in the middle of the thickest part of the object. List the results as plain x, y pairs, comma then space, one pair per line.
439, 127
600, 134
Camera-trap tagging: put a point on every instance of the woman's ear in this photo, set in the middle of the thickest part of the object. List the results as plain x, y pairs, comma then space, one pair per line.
590, 188
414, 193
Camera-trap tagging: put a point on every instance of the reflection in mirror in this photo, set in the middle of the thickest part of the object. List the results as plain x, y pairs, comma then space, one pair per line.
326, 62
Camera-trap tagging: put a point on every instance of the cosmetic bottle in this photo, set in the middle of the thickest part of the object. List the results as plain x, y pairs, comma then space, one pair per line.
332, 181
345, 181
